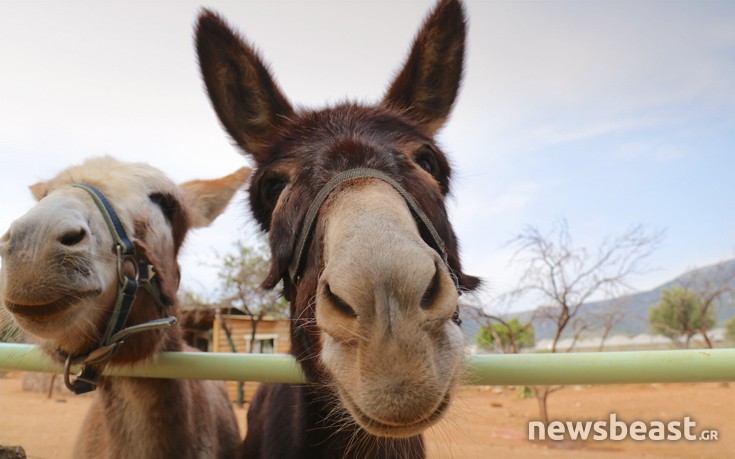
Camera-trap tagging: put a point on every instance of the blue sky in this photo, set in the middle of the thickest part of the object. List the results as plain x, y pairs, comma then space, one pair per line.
608, 114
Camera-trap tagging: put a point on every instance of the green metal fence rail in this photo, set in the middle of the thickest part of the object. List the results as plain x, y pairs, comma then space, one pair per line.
489, 369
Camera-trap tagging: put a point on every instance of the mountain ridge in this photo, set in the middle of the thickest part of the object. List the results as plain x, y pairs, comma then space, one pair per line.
635, 306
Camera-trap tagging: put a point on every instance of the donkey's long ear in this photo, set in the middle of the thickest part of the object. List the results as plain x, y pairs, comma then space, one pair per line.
247, 100
427, 85
206, 199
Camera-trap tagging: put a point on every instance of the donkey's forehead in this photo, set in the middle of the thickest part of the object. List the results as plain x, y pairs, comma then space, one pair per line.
123, 181
322, 129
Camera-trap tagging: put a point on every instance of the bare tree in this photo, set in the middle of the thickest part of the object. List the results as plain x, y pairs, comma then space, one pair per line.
563, 277
608, 317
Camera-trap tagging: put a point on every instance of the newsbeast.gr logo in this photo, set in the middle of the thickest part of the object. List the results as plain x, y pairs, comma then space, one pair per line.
614, 429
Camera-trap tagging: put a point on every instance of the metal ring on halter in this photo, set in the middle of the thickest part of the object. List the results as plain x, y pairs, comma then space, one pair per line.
67, 369
121, 259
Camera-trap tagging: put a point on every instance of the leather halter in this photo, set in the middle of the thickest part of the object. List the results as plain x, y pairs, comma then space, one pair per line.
434, 240
115, 333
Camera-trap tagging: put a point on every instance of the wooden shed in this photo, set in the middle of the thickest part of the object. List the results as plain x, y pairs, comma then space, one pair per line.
228, 330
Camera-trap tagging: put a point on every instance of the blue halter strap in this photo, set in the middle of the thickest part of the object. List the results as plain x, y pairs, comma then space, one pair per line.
115, 332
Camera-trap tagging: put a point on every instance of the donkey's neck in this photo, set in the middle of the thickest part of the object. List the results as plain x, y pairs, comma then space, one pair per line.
138, 413
296, 421
133, 417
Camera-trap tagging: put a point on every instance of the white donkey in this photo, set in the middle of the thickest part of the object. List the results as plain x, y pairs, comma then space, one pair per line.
91, 272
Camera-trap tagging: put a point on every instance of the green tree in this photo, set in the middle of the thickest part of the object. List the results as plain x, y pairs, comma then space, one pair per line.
241, 275
679, 315
508, 336
730, 329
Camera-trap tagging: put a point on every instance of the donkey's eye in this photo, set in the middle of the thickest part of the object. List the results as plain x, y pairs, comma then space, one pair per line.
272, 188
426, 160
167, 204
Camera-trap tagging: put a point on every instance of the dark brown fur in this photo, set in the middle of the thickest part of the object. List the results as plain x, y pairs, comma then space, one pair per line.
303, 150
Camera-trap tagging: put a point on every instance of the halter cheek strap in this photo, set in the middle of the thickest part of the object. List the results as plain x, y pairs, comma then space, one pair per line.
115, 332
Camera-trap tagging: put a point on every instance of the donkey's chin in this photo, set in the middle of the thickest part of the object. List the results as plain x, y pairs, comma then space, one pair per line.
47, 319
373, 424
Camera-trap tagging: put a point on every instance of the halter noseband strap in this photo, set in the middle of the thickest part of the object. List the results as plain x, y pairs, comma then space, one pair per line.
310, 220
299, 254
115, 333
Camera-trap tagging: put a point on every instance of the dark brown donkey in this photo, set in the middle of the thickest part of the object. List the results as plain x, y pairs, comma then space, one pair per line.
353, 198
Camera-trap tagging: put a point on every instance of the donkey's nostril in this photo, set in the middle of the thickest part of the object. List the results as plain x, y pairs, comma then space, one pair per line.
73, 237
340, 304
432, 291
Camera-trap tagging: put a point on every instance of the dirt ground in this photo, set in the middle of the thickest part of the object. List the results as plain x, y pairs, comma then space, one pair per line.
485, 422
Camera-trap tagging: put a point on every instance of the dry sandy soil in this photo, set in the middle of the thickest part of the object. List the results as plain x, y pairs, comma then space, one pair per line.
485, 423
